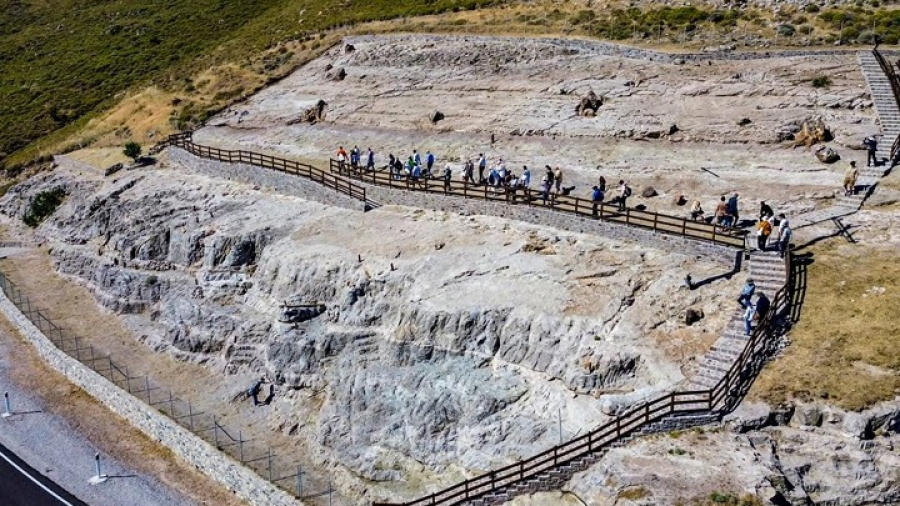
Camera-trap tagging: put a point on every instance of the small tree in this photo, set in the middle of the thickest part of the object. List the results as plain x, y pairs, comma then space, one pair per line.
133, 150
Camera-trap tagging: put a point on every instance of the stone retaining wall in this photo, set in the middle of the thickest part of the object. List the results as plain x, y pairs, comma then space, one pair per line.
273, 180
572, 223
154, 424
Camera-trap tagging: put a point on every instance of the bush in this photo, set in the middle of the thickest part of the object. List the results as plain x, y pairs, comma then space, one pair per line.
867, 37
786, 30
43, 206
821, 82
811, 8
132, 150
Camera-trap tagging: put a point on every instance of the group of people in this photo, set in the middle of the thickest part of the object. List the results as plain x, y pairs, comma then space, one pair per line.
768, 225
753, 312
497, 175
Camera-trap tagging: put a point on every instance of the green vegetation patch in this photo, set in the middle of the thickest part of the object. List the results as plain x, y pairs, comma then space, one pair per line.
62, 60
43, 206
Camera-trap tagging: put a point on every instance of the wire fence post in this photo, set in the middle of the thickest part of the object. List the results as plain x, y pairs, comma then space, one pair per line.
300, 481
241, 444
215, 430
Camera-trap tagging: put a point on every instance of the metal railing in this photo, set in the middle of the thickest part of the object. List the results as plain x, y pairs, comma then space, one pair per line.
726, 394
604, 211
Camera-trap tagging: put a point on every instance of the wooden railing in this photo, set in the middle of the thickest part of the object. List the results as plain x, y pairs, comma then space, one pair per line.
585, 208
894, 80
327, 179
721, 398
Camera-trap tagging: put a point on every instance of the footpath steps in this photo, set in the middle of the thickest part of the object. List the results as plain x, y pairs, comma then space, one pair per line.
768, 273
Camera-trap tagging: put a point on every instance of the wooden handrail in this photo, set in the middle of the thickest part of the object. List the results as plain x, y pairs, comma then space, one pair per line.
685, 402
661, 223
894, 81
329, 180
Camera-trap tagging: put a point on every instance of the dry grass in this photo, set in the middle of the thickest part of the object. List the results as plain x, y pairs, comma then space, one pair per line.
107, 431
845, 347
633, 494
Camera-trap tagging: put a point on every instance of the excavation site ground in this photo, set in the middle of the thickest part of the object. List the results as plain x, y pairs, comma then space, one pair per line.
410, 348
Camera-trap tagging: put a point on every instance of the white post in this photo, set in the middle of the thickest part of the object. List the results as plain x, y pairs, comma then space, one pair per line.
7, 409
100, 477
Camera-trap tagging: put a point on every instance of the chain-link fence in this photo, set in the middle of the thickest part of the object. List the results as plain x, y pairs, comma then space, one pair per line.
260, 457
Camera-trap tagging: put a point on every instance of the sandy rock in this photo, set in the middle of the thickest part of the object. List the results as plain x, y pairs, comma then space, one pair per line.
826, 154
649, 192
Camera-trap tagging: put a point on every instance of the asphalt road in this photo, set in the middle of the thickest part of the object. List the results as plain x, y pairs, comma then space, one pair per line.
20, 485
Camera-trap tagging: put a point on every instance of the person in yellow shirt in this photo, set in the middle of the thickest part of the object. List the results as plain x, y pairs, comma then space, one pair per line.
763, 231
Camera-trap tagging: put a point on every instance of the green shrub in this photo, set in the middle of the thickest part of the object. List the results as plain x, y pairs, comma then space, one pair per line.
821, 82
43, 206
811, 8
132, 150
786, 30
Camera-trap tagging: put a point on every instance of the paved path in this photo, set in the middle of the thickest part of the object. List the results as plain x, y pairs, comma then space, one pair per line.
55, 448
20, 485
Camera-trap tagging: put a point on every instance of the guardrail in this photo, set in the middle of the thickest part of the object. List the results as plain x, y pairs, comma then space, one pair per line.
894, 79
699, 402
585, 208
329, 180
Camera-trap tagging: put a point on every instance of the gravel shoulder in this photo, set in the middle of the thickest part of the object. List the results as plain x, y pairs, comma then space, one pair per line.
61, 429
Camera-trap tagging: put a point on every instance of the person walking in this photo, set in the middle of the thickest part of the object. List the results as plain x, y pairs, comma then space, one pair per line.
354, 157
601, 183
749, 314
448, 173
850, 179
526, 177
370, 160
596, 199
784, 235
545, 189
548, 174
557, 179
482, 165
417, 157
762, 306
746, 294
429, 160
341, 157
763, 231
722, 212
871, 149
732, 207
624, 193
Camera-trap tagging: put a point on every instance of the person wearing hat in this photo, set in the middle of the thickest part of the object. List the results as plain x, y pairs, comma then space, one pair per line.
746, 294
850, 179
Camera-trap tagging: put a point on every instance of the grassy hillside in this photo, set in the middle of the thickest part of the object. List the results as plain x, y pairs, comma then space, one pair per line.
62, 59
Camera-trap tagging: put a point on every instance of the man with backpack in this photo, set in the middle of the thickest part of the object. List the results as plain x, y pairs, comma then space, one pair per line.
596, 199
871, 148
746, 294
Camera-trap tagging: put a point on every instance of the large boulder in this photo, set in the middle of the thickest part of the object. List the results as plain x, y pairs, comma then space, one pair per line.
436, 116
589, 105
649, 192
827, 155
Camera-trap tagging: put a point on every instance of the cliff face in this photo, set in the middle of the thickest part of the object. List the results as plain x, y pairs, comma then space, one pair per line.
431, 339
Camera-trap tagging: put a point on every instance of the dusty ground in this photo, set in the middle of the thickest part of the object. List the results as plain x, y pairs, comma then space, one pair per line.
107, 431
513, 89
576, 305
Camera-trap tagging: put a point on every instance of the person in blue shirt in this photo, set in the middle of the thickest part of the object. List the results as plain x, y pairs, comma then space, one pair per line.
370, 161
429, 160
417, 157
526, 176
596, 198
747, 294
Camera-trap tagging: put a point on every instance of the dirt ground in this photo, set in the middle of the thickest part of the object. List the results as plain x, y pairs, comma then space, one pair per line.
107, 431
728, 116
73, 307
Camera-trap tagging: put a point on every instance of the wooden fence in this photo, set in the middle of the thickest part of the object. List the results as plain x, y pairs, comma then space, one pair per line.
722, 397
894, 79
327, 179
584, 208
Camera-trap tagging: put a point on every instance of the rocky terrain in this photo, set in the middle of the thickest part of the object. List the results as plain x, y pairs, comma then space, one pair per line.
698, 128
430, 342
